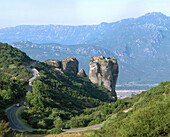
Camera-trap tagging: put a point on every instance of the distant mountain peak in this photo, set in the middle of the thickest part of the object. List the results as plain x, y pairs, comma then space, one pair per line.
156, 18
24, 42
155, 14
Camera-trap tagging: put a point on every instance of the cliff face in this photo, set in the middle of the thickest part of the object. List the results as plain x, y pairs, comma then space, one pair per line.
104, 72
69, 64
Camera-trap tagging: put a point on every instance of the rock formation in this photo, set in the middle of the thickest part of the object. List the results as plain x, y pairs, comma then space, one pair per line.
69, 64
81, 73
104, 72
55, 63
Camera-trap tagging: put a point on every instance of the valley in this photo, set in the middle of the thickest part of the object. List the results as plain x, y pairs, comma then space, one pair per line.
104, 80
121, 94
63, 93
134, 42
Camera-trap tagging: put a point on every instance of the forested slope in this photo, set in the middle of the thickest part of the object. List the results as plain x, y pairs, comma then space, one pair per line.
146, 114
12, 63
56, 95
13, 75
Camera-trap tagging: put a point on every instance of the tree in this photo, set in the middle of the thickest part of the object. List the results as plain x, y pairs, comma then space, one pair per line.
35, 98
58, 123
29, 97
3, 128
42, 124
7, 95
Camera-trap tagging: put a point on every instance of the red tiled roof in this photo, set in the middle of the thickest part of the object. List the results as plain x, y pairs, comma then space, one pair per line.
97, 57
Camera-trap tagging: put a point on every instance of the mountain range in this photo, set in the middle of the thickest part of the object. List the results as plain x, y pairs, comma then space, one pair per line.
141, 45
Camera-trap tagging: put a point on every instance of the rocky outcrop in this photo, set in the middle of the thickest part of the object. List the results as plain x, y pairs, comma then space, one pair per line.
104, 72
81, 73
55, 63
69, 64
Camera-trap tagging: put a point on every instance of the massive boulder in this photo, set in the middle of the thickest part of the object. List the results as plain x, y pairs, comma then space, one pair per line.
81, 73
104, 72
69, 64
55, 63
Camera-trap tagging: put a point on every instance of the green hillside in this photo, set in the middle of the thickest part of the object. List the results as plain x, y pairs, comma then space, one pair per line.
10, 92
146, 114
13, 76
56, 95
13, 63
65, 101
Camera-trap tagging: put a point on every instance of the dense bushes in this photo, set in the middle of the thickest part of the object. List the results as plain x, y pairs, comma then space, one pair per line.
13, 77
11, 55
12, 62
60, 98
66, 97
10, 91
152, 120
150, 115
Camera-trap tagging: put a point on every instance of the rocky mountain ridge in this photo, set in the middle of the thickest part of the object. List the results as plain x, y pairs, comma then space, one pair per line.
141, 44
50, 51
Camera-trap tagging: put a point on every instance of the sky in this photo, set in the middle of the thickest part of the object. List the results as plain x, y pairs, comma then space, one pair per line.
75, 12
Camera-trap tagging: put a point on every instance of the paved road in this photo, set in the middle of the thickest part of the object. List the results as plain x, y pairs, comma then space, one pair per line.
34, 72
83, 129
11, 111
16, 124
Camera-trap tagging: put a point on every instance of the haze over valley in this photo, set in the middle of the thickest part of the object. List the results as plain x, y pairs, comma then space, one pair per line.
85, 68
141, 45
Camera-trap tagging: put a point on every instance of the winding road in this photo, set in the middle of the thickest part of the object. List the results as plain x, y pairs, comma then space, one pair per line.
11, 111
82, 129
34, 72
16, 124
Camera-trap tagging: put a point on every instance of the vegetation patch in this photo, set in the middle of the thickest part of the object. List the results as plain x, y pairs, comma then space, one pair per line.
148, 115
12, 66
59, 99
11, 62
24, 122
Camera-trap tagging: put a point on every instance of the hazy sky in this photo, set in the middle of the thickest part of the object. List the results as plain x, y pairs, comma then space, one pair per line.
75, 12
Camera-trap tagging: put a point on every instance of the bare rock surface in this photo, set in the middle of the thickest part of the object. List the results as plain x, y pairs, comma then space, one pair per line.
81, 73
104, 72
55, 63
69, 64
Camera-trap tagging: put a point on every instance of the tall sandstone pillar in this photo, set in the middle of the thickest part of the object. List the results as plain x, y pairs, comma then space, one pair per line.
104, 72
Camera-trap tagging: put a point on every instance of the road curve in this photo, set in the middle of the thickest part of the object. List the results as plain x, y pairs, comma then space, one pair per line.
11, 111
34, 72
83, 129
16, 124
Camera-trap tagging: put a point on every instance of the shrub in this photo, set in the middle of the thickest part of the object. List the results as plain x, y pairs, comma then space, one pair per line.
54, 131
